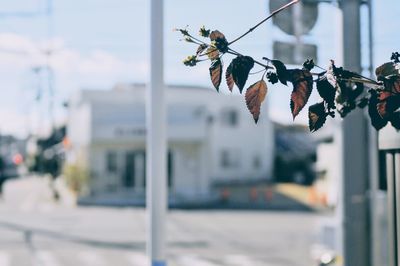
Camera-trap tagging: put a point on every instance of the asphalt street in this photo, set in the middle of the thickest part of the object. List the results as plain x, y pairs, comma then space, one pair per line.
35, 230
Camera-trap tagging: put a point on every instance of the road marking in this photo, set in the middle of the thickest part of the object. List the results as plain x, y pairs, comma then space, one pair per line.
45, 258
138, 259
5, 259
91, 258
193, 260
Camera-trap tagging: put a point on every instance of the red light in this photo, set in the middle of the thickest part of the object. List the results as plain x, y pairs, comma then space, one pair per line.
17, 159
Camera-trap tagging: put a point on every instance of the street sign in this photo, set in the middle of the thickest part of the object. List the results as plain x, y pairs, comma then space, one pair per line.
287, 19
294, 53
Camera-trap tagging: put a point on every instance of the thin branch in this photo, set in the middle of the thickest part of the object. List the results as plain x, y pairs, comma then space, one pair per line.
233, 52
320, 67
367, 81
264, 20
208, 52
256, 72
370, 80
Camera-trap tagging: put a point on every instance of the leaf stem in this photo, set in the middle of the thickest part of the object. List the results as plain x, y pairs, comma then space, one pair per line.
264, 20
361, 80
371, 81
256, 72
231, 51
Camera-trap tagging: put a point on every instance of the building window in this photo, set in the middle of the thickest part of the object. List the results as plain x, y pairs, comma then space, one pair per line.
230, 159
112, 162
230, 117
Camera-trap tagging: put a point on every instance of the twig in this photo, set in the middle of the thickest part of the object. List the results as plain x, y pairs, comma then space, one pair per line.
264, 20
360, 80
231, 51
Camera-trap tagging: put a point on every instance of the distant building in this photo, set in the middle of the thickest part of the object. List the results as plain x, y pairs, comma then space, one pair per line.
211, 138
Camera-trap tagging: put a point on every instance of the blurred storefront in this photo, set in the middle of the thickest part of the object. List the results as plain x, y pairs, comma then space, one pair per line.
211, 138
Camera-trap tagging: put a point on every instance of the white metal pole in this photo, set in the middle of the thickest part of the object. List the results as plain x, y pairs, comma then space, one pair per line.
156, 191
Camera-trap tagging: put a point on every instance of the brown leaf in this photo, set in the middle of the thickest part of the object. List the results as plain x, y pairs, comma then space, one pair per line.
382, 104
395, 120
212, 53
386, 70
376, 120
255, 95
388, 103
216, 73
229, 78
216, 35
326, 91
302, 87
281, 71
316, 116
330, 75
396, 86
392, 84
241, 66
201, 48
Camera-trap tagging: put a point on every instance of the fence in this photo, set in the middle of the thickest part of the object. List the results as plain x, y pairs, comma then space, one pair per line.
389, 146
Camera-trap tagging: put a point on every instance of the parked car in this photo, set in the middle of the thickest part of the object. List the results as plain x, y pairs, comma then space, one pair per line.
9, 167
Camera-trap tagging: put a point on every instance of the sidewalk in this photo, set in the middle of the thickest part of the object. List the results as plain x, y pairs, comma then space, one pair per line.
286, 197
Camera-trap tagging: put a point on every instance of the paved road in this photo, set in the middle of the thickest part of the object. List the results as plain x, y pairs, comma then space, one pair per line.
37, 231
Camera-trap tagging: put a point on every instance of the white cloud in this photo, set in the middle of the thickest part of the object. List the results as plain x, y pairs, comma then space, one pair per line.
73, 70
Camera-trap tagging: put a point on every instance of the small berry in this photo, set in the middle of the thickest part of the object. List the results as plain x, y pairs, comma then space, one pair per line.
272, 77
395, 57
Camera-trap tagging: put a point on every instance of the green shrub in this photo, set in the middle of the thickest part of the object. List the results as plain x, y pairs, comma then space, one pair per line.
76, 176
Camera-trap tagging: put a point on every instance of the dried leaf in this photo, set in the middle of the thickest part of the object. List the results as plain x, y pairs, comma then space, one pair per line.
255, 95
396, 85
347, 96
330, 76
392, 83
219, 41
212, 53
376, 120
216, 34
302, 87
382, 104
241, 67
281, 71
216, 73
386, 70
229, 78
201, 48
316, 116
388, 104
363, 103
395, 120
326, 91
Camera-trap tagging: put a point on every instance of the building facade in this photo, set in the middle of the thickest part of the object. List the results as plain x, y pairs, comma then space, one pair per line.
211, 138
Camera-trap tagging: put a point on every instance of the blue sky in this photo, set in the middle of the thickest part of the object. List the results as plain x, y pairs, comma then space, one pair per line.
98, 43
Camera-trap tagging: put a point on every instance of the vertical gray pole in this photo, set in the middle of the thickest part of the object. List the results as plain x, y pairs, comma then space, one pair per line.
396, 171
156, 191
354, 152
375, 204
391, 194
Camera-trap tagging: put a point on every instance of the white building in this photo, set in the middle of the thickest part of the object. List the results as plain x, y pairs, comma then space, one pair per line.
211, 137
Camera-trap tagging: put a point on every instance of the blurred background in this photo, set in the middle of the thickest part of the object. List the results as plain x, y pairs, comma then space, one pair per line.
72, 136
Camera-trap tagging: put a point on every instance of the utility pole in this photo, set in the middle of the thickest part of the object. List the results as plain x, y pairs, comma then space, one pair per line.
156, 190
355, 152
